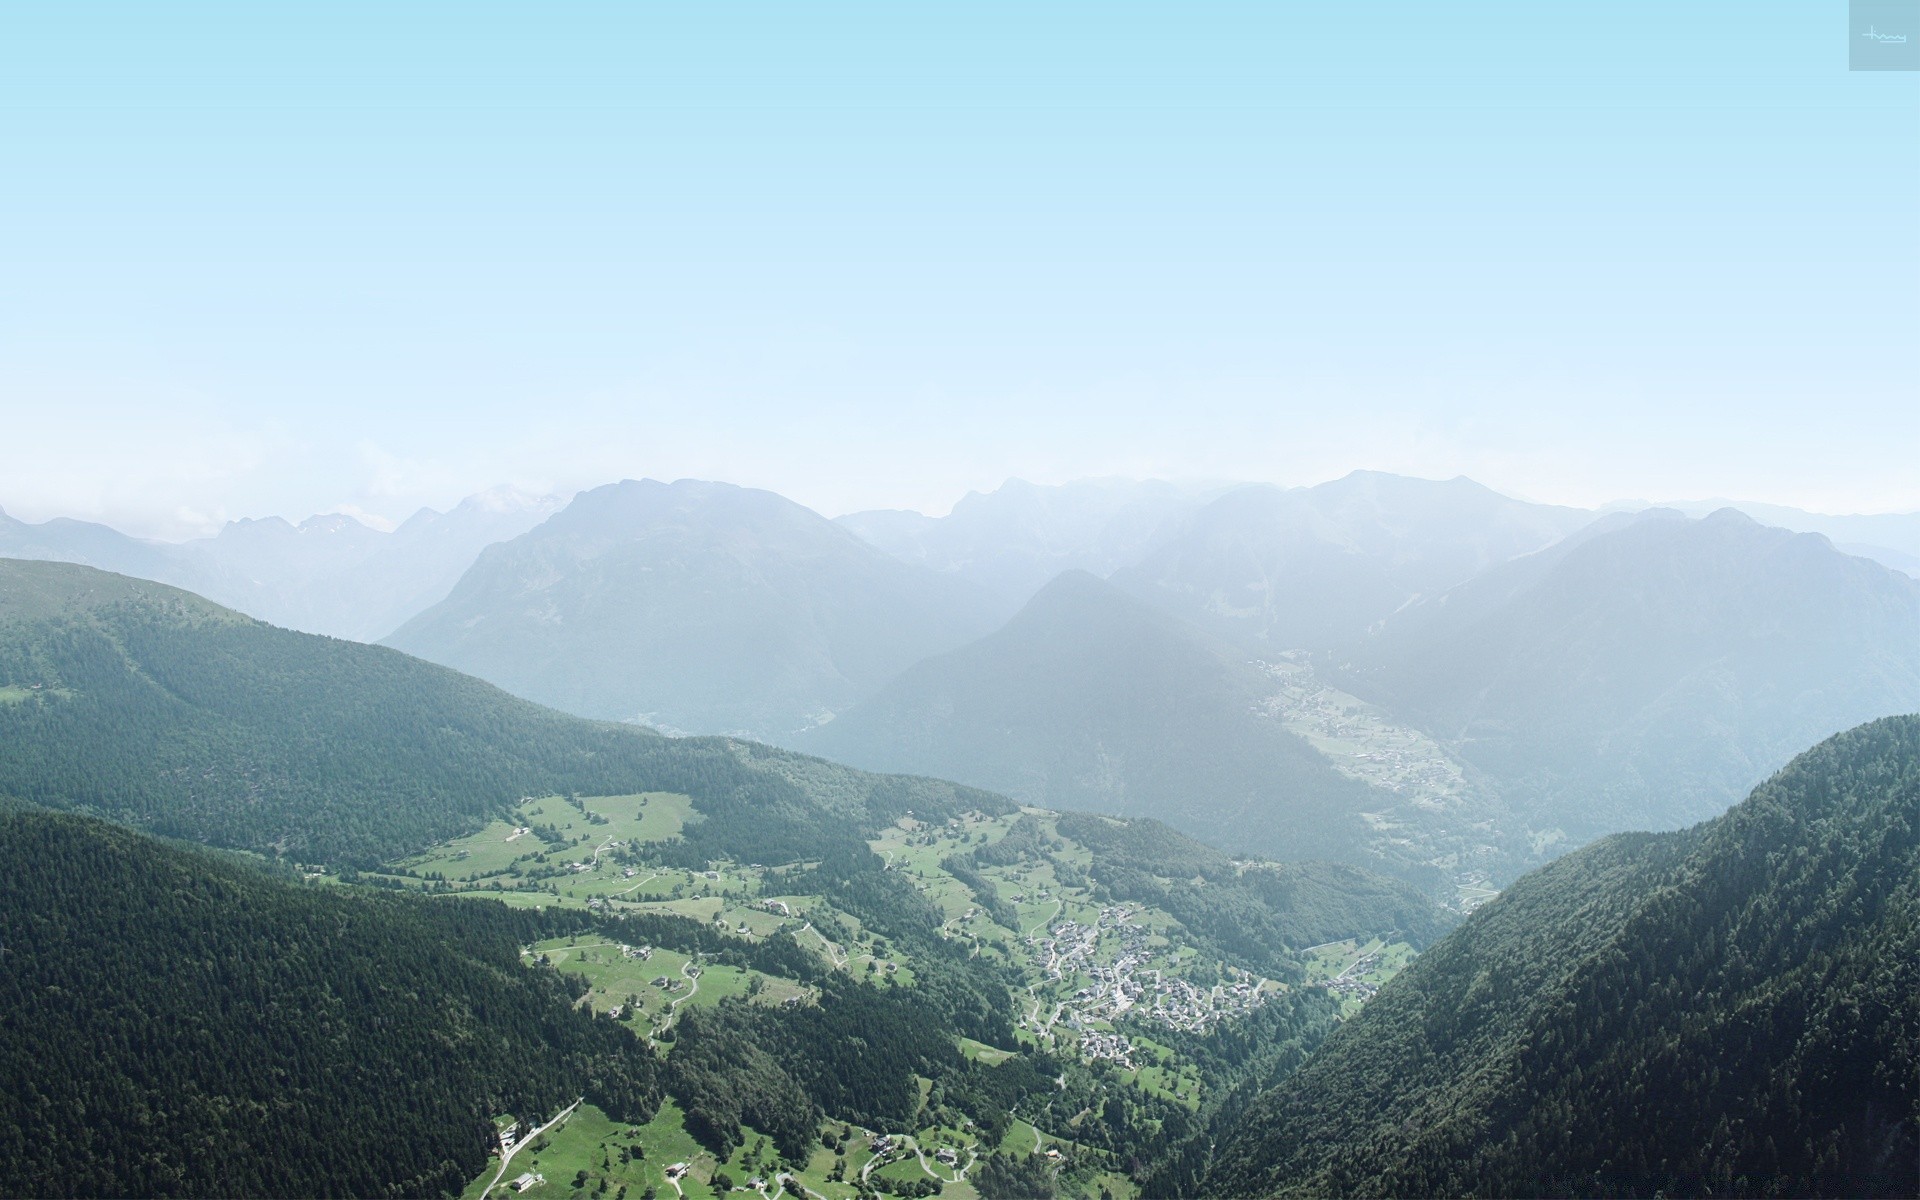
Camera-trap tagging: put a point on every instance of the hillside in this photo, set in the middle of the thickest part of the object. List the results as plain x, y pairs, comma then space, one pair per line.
697, 607
149, 705
1090, 699
179, 1026
1109, 983
1273, 569
1727, 1010
808, 948
1648, 672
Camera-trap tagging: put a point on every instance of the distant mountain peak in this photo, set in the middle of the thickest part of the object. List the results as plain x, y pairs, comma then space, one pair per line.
1729, 516
698, 604
507, 498
333, 523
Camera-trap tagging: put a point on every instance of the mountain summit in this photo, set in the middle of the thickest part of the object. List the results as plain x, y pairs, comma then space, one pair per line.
1092, 699
695, 606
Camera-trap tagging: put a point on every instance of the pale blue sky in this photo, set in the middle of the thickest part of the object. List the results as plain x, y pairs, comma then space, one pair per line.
284, 258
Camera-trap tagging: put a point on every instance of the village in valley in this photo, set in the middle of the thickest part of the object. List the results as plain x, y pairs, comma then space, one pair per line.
1126, 976
1438, 816
1107, 981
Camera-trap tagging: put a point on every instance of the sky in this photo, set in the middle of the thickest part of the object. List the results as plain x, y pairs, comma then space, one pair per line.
290, 258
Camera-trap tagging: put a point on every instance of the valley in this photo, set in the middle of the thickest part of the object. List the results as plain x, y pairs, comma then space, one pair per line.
823, 601
1440, 816
1111, 989
705, 965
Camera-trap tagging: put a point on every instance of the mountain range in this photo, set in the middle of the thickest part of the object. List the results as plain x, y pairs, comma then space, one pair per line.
1490, 681
734, 961
1009, 542
1891, 539
1273, 569
329, 574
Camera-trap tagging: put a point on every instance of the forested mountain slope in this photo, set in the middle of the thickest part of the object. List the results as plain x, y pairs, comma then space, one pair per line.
152, 706
1647, 674
1733, 1009
171, 1025
1091, 699
699, 607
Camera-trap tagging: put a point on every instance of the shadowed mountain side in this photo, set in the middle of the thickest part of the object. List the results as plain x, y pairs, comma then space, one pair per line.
1648, 674
698, 607
1090, 699
1729, 1010
179, 1024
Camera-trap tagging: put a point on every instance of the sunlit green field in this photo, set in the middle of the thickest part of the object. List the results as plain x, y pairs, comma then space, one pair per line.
650, 817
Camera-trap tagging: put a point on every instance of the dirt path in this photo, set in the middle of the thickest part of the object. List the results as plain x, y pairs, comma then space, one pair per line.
833, 952
636, 887
673, 1010
1059, 906
507, 1156
793, 1181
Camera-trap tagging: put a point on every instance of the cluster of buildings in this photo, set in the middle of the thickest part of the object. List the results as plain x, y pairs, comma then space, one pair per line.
1115, 1046
1404, 762
1349, 983
1129, 984
1181, 1005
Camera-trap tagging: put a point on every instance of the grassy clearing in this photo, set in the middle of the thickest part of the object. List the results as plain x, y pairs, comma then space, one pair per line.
616, 979
574, 834
630, 1160
993, 1056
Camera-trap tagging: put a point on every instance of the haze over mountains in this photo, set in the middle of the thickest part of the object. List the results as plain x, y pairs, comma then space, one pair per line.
1274, 569
1091, 699
329, 574
693, 606
1729, 1007
1638, 674
1012, 540
1892, 539
1456, 680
